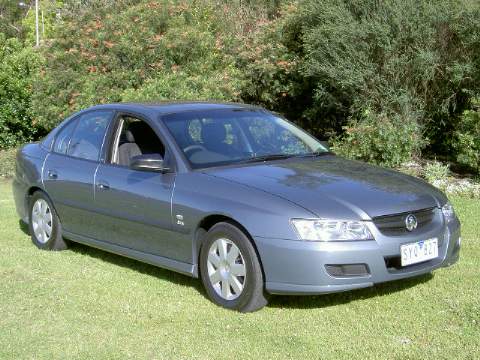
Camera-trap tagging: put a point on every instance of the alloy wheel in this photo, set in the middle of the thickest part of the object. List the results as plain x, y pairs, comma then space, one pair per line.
42, 221
226, 269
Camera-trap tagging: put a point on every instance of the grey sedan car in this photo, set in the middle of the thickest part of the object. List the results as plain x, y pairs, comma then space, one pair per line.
233, 194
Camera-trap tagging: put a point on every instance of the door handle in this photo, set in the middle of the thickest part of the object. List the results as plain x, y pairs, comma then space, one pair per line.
52, 174
103, 186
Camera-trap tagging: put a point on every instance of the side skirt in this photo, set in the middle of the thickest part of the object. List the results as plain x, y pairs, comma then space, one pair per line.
160, 261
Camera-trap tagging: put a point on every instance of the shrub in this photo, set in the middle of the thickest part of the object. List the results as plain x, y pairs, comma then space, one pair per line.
369, 68
7, 162
148, 51
466, 141
345, 56
271, 62
184, 86
17, 65
436, 173
387, 140
48, 11
11, 15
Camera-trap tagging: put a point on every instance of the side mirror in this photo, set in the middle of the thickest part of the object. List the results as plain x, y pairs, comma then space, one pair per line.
148, 162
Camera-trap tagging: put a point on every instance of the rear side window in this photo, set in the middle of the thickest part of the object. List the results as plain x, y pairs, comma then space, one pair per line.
88, 136
63, 138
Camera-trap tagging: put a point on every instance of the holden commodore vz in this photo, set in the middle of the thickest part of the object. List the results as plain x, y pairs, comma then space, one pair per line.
233, 194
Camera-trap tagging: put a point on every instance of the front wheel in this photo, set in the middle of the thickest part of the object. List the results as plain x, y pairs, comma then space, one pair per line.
45, 227
230, 269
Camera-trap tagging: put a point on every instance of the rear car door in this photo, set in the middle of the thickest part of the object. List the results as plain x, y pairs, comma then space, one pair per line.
69, 170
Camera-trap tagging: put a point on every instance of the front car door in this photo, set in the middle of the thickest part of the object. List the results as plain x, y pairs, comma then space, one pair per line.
69, 170
134, 207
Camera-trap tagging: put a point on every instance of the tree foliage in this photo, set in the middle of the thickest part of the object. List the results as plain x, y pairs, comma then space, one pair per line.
17, 66
466, 140
150, 51
10, 18
329, 62
384, 80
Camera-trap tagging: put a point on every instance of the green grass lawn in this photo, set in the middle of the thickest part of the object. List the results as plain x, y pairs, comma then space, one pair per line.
85, 303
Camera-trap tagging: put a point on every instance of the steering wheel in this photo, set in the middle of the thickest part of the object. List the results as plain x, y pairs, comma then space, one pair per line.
189, 150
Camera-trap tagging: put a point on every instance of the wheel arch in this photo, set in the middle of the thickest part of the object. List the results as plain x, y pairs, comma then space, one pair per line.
32, 190
205, 225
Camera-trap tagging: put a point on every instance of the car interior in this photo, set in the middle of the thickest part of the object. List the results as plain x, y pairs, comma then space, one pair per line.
134, 137
208, 140
204, 141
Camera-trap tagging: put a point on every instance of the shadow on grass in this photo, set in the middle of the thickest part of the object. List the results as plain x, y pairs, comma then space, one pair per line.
277, 301
24, 227
298, 302
138, 266
327, 300
123, 261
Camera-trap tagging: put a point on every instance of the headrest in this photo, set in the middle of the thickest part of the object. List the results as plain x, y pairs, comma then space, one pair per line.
129, 136
213, 133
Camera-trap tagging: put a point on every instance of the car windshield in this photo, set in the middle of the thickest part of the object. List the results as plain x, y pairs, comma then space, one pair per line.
224, 137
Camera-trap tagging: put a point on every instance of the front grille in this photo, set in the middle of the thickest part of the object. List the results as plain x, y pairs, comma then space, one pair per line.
394, 225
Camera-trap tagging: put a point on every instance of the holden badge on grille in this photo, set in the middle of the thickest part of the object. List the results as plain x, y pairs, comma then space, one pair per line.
411, 222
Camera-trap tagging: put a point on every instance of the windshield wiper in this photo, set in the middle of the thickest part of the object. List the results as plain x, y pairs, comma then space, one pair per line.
316, 153
261, 158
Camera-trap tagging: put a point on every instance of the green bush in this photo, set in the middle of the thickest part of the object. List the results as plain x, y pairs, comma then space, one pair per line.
271, 61
345, 56
382, 139
17, 66
145, 52
385, 79
7, 162
10, 15
466, 141
436, 173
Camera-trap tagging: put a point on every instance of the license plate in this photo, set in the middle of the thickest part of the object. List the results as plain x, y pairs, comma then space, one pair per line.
418, 252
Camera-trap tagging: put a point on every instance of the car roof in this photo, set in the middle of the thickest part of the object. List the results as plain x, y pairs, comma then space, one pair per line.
174, 106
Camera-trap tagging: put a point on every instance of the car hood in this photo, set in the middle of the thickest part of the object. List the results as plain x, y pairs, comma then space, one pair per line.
332, 187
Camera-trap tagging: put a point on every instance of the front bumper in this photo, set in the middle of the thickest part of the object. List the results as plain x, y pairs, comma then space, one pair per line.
299, 267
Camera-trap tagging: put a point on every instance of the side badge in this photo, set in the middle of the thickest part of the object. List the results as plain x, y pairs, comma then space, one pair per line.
180, 220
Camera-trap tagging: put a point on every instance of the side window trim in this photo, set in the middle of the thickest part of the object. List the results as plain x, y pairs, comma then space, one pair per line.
103, 156
72, 133
157, 131
59, 132
113, 149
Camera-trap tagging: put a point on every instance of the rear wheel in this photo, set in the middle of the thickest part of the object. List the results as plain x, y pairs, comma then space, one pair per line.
230, 269
45, 227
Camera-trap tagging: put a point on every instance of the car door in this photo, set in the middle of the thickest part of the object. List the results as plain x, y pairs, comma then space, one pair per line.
69, 170
135, 206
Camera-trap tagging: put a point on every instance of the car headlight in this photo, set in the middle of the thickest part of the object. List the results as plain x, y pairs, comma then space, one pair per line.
331, 230
448, 212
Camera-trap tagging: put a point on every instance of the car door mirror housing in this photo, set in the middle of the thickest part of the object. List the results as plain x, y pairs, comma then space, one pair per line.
149, 162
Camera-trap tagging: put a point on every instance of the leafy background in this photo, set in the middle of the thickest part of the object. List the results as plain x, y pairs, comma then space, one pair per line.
386, 82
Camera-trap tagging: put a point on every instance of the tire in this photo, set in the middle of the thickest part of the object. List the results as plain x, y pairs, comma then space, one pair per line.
42, 216
222, 274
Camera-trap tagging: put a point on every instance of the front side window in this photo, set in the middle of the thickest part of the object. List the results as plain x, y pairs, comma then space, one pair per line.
223, 137
87, 138
134, 137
